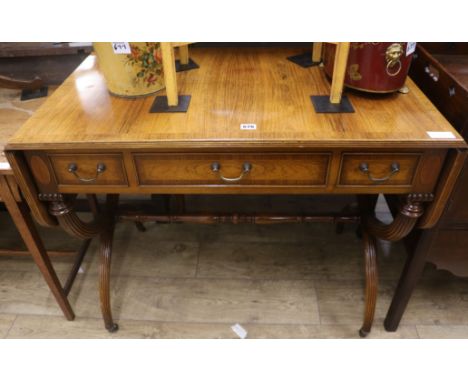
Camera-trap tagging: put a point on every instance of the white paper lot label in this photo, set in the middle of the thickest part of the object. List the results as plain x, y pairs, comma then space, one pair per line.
239, 330
248, 126
441, 134
410, 48
121, 47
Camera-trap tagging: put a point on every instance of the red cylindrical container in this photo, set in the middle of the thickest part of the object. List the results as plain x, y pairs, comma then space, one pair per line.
377, 67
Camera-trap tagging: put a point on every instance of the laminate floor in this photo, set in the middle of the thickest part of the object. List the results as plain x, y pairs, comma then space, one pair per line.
196, 281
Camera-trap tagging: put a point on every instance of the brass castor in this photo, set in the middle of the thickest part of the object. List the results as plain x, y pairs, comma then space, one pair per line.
140, 226
113, 328
363, 333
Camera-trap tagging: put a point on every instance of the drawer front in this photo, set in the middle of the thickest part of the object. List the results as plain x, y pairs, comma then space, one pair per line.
375, 169
232, 169
89, 169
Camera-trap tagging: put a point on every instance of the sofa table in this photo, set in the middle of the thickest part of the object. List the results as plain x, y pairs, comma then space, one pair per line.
250, 129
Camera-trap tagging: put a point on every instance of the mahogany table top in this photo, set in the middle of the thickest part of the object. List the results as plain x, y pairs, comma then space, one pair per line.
232, 86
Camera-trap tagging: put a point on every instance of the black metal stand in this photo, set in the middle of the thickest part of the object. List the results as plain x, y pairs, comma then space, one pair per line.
28, 94
304, 60
322, 104
160, 105
181, 67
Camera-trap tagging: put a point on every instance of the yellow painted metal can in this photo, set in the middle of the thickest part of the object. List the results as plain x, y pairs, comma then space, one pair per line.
131, 69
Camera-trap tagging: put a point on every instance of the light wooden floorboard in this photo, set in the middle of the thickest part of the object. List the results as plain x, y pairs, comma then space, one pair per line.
196, 285
321, 259
29, 326
6, 322
442, 331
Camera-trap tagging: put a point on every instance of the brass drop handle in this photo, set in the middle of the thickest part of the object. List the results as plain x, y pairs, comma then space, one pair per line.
73, 168
246, 168
394, 168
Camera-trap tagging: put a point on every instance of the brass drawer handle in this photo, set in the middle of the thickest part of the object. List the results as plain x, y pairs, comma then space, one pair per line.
394, 168
73, 168
246, 168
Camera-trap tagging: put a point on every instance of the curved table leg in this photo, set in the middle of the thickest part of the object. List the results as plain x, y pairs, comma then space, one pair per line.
403, 223
104, 277
103, 225
62, 208
409, 213
105, 266
370, 259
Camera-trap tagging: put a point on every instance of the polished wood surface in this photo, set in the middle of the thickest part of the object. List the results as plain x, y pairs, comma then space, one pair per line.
231, 87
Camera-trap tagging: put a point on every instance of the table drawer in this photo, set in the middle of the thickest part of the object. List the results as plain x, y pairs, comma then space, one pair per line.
232, 169
377, 169
92, 169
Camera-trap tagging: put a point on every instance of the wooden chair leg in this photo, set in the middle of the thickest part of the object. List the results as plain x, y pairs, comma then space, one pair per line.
412, 272
25, 225
370, 258
76, 265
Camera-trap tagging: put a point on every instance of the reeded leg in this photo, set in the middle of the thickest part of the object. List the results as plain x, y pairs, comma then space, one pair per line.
402, 224
370, 259
62, 207
104, 277
103, 225
105, 266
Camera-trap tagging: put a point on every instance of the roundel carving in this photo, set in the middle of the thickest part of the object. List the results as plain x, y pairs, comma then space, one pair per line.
40, 170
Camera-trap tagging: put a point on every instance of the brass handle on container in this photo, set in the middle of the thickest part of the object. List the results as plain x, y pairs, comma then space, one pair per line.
73, 168
394, 168
246, 168
392, 57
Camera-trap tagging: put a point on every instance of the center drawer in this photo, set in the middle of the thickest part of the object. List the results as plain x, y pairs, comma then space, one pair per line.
232, 169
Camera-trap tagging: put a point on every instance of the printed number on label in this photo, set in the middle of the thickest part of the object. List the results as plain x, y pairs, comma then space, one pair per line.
121, 47
248, 126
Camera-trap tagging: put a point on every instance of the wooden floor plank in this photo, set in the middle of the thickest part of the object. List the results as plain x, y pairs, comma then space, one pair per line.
6, 322
323, 259
204, 300
342, 302
282, 281
55, 327
442, 331
26, 293
92, 328
139, 254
